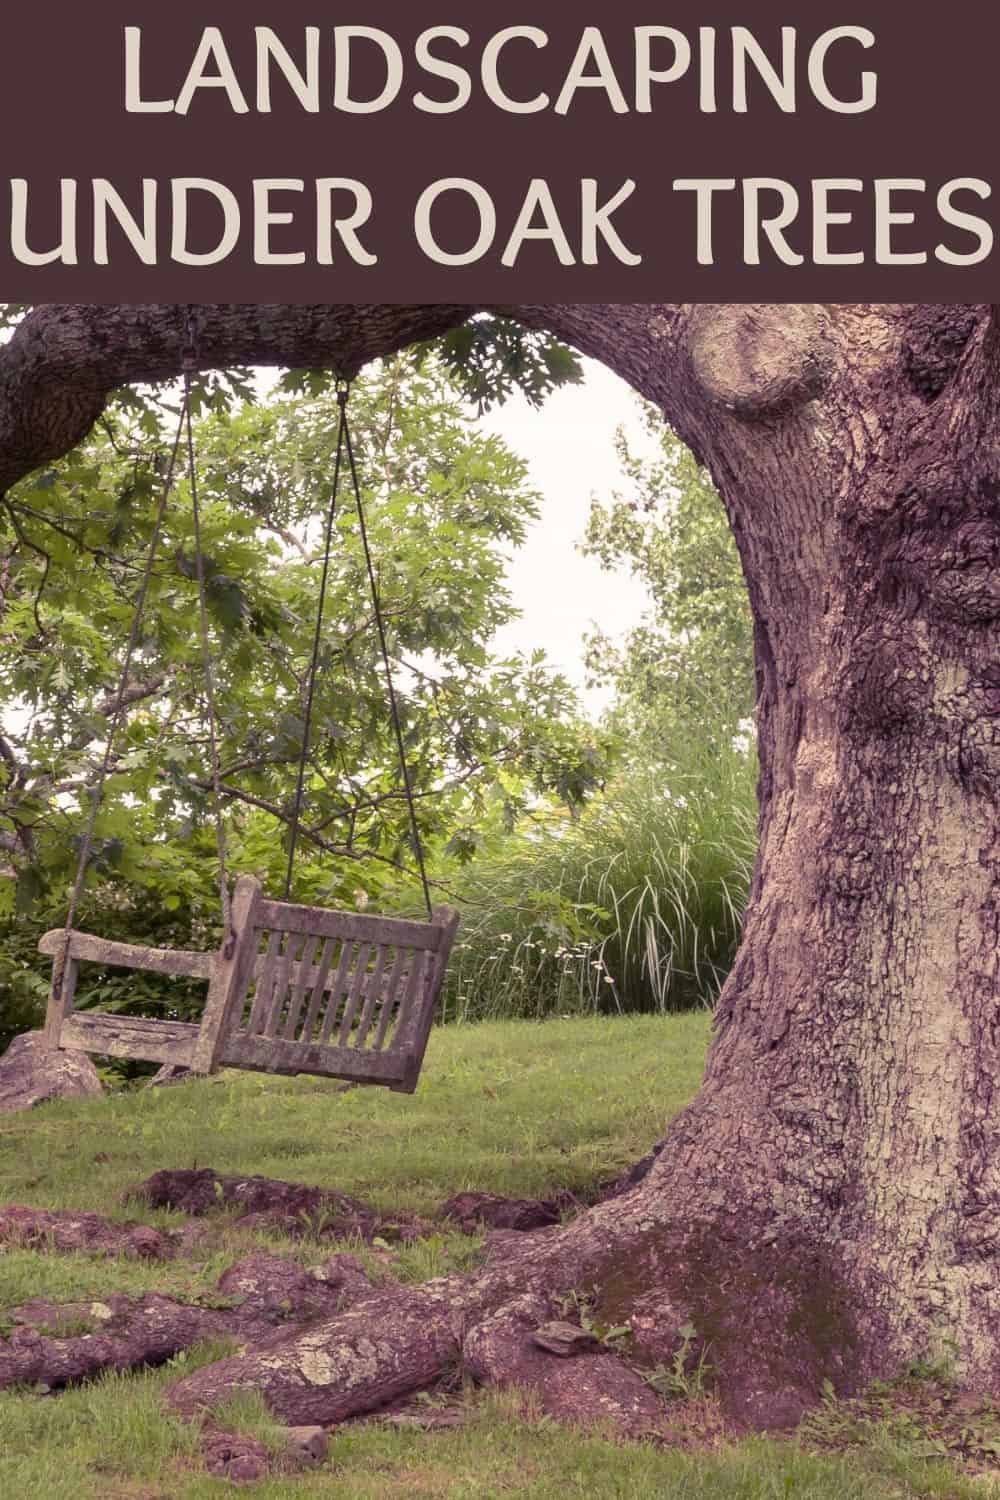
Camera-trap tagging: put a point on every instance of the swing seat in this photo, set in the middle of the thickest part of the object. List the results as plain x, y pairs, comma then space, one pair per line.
298, 989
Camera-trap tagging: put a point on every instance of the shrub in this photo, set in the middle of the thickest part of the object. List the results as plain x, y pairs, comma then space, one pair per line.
634, 906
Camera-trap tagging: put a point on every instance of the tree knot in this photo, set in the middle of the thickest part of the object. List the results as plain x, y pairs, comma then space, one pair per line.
759, 360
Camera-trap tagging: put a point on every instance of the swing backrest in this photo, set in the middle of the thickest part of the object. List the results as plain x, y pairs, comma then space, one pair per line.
338, 994
300, 989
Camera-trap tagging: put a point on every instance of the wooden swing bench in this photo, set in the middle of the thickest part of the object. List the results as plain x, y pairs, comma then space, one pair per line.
296, 989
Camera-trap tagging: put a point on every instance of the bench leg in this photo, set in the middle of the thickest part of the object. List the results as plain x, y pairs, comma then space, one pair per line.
229, 981
61, 996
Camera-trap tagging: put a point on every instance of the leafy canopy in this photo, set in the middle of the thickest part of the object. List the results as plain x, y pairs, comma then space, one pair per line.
443, 502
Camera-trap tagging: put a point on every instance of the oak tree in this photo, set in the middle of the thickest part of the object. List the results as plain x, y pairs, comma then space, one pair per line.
829, 1204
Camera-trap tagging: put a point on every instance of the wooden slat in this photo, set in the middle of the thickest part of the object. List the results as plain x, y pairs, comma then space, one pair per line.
230, 977
399, 975
303, 969
322, 973
373, 989
360, 929
130, 1036
265, 981
412, 993
336, 990
309, 980
279, 1056
89, 949
276, 1000
353, 999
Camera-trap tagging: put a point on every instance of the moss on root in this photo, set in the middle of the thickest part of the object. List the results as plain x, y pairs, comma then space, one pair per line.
772, 1310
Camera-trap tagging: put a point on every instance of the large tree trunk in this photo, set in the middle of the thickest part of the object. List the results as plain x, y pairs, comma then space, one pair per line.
828, 1205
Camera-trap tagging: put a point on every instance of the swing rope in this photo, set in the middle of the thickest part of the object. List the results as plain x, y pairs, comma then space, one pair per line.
314, 665
96, 791
225, 901
344, 444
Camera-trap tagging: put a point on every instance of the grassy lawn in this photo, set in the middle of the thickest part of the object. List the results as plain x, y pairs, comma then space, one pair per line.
522, 1109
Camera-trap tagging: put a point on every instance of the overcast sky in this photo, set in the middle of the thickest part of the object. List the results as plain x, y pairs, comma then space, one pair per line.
569, 446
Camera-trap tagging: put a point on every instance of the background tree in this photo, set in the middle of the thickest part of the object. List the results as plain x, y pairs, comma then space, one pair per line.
687, 668
829, 1206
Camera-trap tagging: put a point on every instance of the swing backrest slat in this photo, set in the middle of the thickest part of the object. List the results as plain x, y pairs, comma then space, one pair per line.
286, 917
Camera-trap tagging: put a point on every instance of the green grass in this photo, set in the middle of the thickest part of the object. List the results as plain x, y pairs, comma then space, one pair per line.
112, 1441
519, 1108
522, 1109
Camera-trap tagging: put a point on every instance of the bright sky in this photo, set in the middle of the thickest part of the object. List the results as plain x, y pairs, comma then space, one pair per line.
569, 446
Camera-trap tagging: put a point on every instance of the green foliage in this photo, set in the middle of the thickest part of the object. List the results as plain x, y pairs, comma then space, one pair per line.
578, 1307
634, 905
685, 1378
489, 358
442, 503
24, 978
688, 667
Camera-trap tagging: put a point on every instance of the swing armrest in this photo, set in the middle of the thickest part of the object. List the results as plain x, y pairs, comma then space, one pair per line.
175, 961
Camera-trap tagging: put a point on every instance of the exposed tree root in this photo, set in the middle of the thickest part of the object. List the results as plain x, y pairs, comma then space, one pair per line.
589, 1389
84, 1339
68, 1232
778, 1303
770, 1303
472, 1212
268, 1203
396, 1340
58, 1344
296, 1209
389, 1344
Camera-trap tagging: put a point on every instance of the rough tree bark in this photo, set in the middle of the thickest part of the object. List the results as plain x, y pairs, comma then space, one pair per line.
829, 1205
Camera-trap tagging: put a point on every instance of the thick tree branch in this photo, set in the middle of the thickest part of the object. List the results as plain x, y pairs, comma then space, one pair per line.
63, 362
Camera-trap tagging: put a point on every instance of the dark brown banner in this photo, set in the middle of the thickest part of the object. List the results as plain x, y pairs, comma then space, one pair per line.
434, 151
